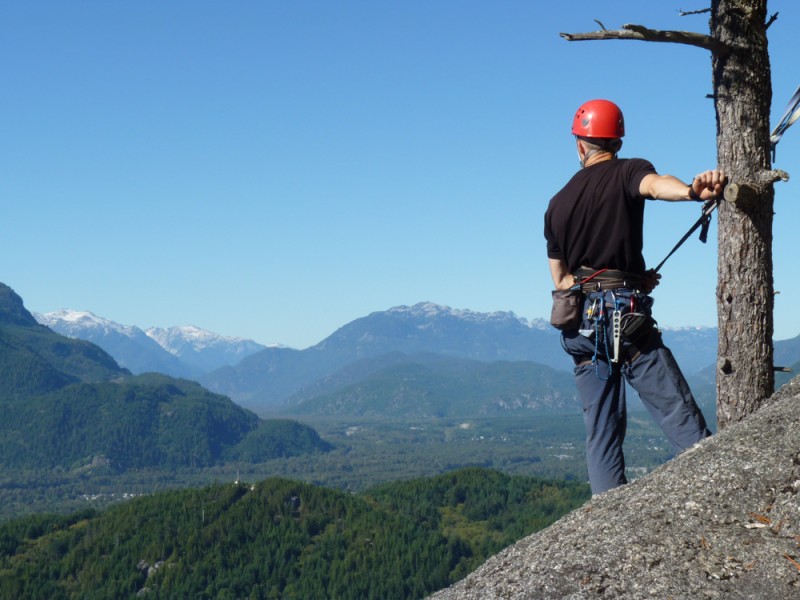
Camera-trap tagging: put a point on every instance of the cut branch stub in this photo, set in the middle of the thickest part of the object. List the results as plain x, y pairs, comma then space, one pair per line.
744, 195
741, 195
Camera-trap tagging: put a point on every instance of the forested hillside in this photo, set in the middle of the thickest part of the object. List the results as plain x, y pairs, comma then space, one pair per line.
425, 385
139, 422
281, 539
67, 405
145, 421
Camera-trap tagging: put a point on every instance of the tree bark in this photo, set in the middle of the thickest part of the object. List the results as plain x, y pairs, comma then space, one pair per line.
743, 94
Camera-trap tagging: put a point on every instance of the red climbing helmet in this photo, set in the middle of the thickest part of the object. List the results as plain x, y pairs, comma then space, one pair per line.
599, 119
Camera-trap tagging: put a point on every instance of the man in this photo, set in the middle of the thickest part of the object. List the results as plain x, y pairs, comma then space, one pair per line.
593, 228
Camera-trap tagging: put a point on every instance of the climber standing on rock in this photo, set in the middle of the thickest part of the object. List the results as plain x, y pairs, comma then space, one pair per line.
594, 232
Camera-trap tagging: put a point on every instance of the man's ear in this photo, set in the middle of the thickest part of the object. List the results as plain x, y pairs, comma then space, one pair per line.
581, 148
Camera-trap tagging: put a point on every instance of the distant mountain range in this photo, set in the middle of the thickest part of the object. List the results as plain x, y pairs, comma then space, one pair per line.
178, 351
403, 348
67, 404
370, 349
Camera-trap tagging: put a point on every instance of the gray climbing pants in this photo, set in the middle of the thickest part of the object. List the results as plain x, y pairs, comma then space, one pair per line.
650, 369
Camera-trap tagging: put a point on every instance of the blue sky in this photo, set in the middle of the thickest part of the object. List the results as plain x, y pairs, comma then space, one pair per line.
276, 169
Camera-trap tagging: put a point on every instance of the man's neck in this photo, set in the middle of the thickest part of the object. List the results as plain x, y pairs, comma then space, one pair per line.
597, 157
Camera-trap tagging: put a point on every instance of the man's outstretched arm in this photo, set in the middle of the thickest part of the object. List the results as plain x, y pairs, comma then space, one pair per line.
707, 185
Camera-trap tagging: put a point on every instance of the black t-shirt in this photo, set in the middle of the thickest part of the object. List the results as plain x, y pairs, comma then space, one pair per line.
596, 220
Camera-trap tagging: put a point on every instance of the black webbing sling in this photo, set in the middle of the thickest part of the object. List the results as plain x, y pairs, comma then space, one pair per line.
703, 222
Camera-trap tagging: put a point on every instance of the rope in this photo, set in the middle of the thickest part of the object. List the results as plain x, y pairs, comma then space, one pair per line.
790, 115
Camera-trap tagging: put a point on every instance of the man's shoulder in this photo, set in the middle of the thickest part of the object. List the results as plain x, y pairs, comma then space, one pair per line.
636, 164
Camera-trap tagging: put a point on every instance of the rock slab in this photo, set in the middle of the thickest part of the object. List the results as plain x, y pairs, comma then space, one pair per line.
720, 521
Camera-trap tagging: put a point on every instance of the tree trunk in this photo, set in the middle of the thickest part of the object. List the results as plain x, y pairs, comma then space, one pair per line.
743, 94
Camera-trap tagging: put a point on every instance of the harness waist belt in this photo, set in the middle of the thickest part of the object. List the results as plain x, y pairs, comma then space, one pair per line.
592, 280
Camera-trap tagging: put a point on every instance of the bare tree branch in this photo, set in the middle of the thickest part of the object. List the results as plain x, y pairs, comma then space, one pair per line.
643, 34
603, 27
772, 176
772, 19
684, 13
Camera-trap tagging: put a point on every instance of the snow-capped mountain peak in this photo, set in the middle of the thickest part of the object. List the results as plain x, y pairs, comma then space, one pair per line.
70, 322
431, 310
178, 351
180, 338
202, 348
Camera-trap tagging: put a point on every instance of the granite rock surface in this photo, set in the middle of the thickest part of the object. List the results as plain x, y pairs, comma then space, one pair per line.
720, 521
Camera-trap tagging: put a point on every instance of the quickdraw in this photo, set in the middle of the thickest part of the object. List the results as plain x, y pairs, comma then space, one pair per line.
599, 313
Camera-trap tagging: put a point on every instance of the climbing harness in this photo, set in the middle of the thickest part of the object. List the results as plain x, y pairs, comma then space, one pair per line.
590, 280
614, 317
703, 222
